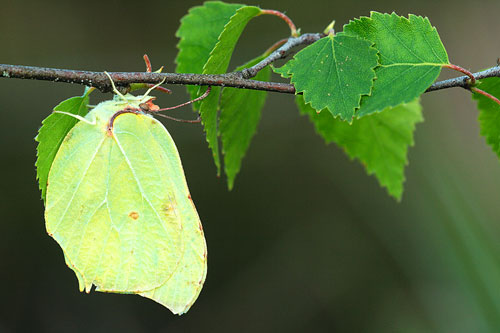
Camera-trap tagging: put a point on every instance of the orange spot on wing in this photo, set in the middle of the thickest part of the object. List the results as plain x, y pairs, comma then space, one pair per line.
134, 215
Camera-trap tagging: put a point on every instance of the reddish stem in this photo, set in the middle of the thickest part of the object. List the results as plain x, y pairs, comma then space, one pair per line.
484, 93
285, 18
472, 83
464, 71
162, 89
149, 68
276, 45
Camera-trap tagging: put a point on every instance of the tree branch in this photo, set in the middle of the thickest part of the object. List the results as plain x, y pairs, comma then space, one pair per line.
240, 79
462, 81
100, 81
281, 53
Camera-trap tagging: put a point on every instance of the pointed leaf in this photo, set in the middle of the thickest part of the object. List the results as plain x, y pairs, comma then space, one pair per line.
199, 33
380, 141
240, 115
217, 64
333, 73
208, 111
52, 133
489, 112
411, 56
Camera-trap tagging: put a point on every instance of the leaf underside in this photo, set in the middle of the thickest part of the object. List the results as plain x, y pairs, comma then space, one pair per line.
411, 56
240, 115
489, 112
52, 133
218, 64
379, 141
333, 73
119, 207
199, 33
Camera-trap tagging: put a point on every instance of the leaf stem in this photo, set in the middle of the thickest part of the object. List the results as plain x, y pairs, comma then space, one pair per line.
273, 47
149, 68
472, 80
293, 29
484, 93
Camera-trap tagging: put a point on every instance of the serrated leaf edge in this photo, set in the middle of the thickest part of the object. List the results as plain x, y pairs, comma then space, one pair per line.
297, 92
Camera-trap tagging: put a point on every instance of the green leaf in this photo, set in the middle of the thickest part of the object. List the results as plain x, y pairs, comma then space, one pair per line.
51, 134
411, 56
199, 33
119, 207
333, 73
240, 115
208, 111
380, 141
489, 112
217, 64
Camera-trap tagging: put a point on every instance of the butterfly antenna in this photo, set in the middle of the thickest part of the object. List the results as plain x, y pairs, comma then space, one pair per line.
189, 102
197, 120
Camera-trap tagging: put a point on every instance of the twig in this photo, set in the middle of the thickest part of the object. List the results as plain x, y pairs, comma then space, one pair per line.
472, 79
100, 81
463, 81
280, 53
273, 47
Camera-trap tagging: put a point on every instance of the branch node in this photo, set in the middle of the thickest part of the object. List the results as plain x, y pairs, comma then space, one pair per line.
247, 73
471, 81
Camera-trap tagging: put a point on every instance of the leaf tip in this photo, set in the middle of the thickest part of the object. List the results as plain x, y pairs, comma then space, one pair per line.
230, 182
396, 193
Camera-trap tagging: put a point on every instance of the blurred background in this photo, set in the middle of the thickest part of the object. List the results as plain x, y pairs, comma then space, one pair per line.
306, 241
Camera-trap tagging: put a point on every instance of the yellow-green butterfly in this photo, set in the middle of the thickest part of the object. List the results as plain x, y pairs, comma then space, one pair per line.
119, 206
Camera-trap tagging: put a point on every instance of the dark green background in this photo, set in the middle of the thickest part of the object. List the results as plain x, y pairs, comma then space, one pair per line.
306, 241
